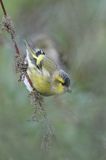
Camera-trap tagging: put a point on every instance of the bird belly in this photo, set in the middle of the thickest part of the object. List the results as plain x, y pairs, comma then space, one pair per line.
40, 82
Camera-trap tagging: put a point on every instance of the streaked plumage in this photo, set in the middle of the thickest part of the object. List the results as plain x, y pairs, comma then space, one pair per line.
46, 78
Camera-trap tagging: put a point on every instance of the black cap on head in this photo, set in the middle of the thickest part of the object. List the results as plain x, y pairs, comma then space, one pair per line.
66, 82
66, 78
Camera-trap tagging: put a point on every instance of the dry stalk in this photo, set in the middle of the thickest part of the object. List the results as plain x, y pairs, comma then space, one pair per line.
21, 68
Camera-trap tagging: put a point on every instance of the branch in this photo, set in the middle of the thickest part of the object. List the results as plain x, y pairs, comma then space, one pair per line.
3, 8
37, 99
9, 27
21, 67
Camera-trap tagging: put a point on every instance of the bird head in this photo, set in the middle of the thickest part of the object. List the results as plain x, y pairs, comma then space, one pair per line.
61, 82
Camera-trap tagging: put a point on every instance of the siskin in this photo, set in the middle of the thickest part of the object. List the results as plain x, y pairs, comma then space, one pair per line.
44, 74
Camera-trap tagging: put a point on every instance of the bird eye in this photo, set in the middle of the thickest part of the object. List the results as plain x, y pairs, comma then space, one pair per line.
63, 84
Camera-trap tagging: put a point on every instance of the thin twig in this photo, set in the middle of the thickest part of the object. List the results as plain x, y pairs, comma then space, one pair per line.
3, 8
8, 26
20, 65
10, 29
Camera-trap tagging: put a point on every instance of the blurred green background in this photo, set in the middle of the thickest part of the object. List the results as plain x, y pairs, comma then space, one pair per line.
78, 30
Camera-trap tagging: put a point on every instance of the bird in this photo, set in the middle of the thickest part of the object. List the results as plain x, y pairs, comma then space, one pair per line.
47, 78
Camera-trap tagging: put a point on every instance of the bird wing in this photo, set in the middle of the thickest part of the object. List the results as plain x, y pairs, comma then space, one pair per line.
49, 65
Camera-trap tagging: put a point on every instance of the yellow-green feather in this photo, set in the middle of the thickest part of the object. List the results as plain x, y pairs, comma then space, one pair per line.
43, 83
49, 65
40, 82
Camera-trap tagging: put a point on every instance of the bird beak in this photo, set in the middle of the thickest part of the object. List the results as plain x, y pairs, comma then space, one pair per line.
69, 90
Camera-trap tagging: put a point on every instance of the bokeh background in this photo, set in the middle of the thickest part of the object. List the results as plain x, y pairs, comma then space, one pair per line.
74, 33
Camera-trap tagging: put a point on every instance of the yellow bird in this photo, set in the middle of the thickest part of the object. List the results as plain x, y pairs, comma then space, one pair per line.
44, 74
